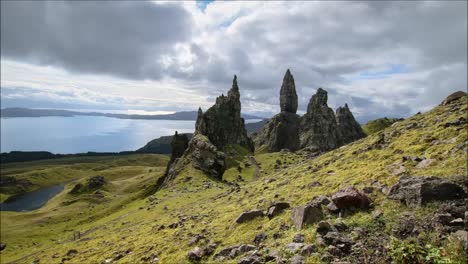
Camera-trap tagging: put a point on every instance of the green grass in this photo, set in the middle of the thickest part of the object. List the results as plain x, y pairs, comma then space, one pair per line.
125, 219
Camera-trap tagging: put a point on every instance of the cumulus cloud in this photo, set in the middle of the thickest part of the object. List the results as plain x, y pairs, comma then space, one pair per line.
382, 58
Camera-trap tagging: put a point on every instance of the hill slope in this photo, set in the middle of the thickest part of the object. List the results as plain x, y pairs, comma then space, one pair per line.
195, 210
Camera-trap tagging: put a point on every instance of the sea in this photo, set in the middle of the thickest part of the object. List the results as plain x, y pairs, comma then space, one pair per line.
78, 134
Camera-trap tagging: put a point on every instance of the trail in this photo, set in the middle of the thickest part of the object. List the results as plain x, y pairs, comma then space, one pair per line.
257, 168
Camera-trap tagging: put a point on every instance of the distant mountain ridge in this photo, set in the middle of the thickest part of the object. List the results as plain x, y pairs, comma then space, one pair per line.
28, 112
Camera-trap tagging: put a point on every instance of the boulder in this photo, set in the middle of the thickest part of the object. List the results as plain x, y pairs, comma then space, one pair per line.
298, 238
453, 97
350, 198
288, 96
206, 157
195, 254
305, 215
349, 129
425, 163
323, 227
2, 246
420, 190
254, 259
307, 250
247, 216
339, 240
294, 247
277, 208
259, 238
297, 259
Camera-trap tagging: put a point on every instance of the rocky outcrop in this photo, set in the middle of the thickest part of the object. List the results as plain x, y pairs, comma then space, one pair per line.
318, 126
282, 131
288, 96
179, 144
453, 97
222, 123
206, 157
349, 129
418, 191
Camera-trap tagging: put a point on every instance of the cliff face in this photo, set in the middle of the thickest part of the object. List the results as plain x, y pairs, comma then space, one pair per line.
179, 144
222, 123
318, 125
282, 131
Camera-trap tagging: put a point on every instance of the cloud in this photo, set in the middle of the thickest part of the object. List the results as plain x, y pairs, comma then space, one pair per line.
119, 38
382, 58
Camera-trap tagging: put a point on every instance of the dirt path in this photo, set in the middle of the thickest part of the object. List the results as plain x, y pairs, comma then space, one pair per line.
257, 168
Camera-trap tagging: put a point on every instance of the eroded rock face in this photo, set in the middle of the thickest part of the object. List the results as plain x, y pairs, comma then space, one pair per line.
348, 128
206, 157
318, 126
281, 132
288, 96
179, 144
417, 191
222, 123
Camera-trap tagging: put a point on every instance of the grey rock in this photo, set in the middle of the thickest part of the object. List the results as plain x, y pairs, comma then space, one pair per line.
260, 237
425, 163
323, 227
276, 209
307, 250
322, 200
297, 259
348, 128
288, 96
251, 260
453, 97
2, 246
206, 157
195, 254
338, 239
298, 238
305, 215
318, 126
280, 132
419, 190
294, 247
350, 198
247, 216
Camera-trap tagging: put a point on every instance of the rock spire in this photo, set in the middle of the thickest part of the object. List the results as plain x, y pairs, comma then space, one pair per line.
288, 96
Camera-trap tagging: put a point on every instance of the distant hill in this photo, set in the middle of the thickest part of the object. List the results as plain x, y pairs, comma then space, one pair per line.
28, 112
376, 125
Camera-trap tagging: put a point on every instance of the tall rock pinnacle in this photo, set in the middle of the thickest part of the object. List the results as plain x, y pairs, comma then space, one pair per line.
288, 96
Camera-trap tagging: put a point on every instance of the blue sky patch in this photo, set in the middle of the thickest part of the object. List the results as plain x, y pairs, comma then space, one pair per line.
391, 69
203, 4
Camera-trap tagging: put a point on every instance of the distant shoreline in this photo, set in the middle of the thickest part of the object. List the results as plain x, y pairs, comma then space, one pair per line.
17, 112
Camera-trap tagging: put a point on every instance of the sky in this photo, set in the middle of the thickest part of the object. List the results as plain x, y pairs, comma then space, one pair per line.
381, 58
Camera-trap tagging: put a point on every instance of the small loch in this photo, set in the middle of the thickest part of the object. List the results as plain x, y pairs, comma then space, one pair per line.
31, 200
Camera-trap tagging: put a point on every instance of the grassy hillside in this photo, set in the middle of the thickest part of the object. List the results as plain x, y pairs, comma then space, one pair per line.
128, 226
377, 125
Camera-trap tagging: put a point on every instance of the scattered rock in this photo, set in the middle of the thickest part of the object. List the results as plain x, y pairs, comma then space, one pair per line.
376, 214
294, 247
307, 250
425, 163
305, 215
339, 240
254, 259
259, 238
419, 190
350, 198
277, 208
322, 200
405, 226
195, 254
247, 216
297, 259
298, 238
324, 227
71, 252
2, 246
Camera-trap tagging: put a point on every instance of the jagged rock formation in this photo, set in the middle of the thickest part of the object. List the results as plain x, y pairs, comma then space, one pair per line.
318, 126
282, 131
222, 123
348, 128
288, 96
453, 97
179, 144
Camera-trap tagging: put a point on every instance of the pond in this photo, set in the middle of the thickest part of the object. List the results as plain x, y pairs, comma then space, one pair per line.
31, 200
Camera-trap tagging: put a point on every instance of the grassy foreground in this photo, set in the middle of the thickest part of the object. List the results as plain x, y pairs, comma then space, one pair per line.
129, 226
